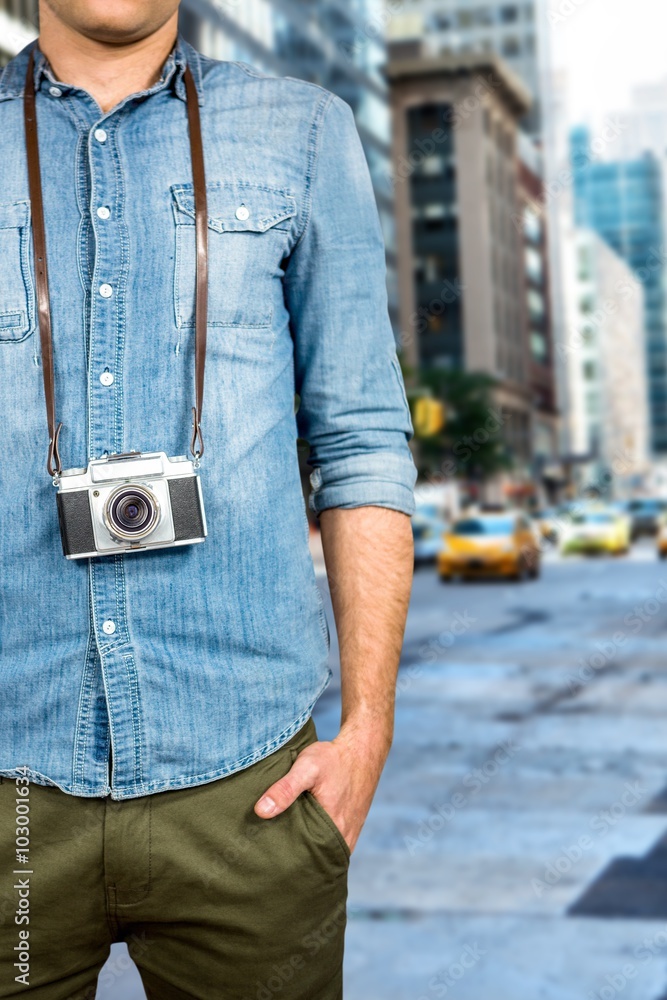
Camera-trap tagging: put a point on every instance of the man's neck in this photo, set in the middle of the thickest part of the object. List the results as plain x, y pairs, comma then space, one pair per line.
109, 72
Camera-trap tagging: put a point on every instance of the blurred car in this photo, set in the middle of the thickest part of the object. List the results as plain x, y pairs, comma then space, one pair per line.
547, 523
428, 528
595, 531
662, 537
503, 545
645, 515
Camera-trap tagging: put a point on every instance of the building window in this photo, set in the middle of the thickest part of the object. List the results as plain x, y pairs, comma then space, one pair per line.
465, 18
589, 371
509, 14
586, 305
584, 263
532, 225
535, 304
533, 264
593, 404
485, 15
511, 47
538, 346
432, 165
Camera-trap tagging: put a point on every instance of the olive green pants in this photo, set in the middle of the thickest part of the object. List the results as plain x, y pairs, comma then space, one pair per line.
212, 900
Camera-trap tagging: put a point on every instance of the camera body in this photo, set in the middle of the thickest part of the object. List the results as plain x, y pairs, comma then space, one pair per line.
130, 502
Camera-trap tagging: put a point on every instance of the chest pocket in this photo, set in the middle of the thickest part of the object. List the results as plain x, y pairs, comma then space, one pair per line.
249, 232
17, 299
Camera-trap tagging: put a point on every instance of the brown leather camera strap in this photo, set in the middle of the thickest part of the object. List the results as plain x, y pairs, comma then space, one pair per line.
41, 271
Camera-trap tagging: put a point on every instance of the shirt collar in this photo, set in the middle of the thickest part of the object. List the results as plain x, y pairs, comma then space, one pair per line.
12, 76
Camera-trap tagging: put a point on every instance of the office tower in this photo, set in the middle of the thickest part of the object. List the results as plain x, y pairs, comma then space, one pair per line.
542, 361
510, 30
608, 413
624, 203
462, 272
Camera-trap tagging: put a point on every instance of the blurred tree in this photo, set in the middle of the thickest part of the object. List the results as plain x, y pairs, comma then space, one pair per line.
471, 444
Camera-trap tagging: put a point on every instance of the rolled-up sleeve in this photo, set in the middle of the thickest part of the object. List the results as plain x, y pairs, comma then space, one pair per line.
353, 410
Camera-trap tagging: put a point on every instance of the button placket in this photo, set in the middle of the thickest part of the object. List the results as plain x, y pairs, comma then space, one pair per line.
107, 319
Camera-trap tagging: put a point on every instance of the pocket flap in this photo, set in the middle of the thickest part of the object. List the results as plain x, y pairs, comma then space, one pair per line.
235, 207
15, 216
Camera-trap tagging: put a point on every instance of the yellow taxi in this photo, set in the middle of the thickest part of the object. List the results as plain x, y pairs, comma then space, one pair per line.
595, 531
504, 545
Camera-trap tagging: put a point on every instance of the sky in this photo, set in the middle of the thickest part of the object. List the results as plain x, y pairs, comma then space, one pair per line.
607, 47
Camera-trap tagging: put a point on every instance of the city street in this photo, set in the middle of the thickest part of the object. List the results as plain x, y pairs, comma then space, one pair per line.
518, 843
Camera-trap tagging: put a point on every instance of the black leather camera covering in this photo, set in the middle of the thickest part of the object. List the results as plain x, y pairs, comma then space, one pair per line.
76, 522
186, 508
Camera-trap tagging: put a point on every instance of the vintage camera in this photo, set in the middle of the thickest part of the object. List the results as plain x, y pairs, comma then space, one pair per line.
130, 503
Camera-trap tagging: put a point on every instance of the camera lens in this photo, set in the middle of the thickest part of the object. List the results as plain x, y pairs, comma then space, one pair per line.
131, 512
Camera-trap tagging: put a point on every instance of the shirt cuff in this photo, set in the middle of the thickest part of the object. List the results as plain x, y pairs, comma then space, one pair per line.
379, 479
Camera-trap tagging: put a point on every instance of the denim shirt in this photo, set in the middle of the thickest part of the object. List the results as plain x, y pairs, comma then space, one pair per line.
129, 675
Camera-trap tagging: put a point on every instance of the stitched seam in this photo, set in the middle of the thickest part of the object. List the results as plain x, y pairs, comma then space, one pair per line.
314, 146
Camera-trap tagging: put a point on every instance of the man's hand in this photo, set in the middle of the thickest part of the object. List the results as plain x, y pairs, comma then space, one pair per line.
342, 775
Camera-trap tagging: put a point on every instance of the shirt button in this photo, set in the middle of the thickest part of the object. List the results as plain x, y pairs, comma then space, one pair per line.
109, 627
103, 212
242, 213
106, 378
100, 135
106, 291
55, 92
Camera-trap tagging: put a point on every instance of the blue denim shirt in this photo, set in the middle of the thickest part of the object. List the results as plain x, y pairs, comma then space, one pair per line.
213, 655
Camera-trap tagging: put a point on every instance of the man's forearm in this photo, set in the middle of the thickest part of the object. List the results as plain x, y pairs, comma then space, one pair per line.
369, 559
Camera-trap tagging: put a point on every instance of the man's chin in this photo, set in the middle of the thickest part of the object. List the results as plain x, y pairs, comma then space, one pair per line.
110, 24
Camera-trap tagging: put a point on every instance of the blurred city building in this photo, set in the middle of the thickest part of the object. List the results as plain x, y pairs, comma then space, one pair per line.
645, 122
18, 26
608, 413
510, 30
472, 245
623, 201
542, 375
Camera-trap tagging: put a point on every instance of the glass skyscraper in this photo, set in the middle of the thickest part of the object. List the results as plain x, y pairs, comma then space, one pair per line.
624, 203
